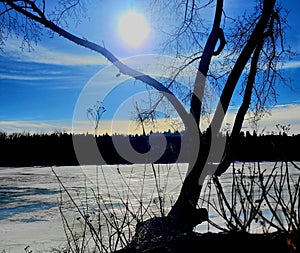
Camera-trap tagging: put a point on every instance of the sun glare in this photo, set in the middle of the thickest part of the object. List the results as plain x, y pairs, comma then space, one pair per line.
133, 28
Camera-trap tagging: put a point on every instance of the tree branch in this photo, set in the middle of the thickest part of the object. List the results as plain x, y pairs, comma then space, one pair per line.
123, 68
222, 44
234, 76
238, 123
208, 52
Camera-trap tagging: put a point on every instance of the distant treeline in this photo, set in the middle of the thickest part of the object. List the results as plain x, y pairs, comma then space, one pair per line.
57, 148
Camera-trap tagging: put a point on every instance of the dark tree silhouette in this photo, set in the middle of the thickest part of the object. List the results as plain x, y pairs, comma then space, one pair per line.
254, 51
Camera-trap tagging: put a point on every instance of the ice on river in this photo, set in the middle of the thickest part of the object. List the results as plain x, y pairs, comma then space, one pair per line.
30, 197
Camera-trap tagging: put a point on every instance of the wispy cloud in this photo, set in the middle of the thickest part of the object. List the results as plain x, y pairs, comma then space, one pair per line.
284, 114
291, 65
106, 126
281, 114
126, 126
27, 78
34, 126
59, 58
46, 55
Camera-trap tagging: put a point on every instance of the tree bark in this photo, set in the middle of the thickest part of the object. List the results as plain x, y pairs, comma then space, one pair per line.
238, 123
208, 52
234, 76
183, 212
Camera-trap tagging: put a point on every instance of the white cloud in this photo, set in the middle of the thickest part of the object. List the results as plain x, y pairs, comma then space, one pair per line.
291, 65
59, 58
42, 54
286, 114
124, 126
27, 78
281, 114
34, 126
106, 126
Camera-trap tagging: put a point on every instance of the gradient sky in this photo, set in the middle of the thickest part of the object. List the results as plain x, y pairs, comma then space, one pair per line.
39, 89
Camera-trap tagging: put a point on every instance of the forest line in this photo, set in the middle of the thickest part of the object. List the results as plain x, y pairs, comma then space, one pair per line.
24, 149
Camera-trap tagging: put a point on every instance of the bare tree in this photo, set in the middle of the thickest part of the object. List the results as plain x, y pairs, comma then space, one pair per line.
248, 51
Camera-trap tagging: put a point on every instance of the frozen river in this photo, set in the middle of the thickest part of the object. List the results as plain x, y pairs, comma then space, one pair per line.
30, 198
29, 208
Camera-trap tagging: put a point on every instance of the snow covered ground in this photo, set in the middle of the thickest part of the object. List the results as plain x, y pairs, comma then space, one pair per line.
29, 209
30, 198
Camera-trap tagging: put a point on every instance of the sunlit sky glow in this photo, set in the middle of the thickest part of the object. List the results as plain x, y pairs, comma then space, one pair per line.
39, 89
133, 28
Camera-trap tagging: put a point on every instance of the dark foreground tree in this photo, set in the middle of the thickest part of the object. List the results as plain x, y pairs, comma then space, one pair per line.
242, 53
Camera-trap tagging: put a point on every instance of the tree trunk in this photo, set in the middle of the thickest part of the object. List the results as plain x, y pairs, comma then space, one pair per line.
230, 148
184, 214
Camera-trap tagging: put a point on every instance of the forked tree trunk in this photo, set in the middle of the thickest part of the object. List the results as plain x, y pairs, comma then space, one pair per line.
184, 214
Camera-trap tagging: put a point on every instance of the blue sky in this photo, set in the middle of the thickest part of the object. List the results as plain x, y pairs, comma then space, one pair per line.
39, 89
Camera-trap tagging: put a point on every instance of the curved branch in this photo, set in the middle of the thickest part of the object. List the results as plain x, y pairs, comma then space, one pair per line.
222, 44
227, 158
208, 52
233, 78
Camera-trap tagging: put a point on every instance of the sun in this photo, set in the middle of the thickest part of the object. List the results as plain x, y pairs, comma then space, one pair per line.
133, 29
